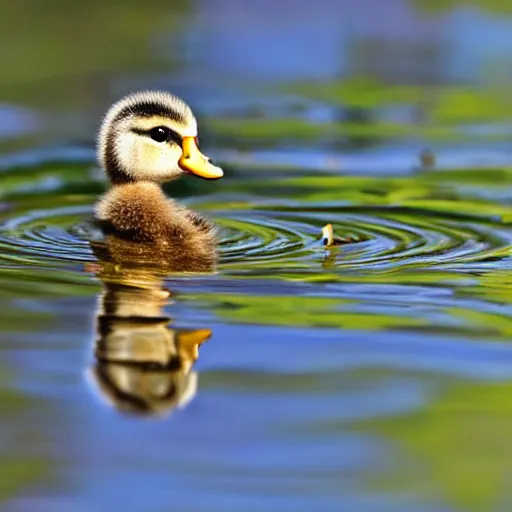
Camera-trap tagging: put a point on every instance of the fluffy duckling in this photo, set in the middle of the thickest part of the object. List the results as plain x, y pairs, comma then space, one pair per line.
146, 139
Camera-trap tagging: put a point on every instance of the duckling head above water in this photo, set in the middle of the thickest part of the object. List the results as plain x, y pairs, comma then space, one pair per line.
146, 139
151, 136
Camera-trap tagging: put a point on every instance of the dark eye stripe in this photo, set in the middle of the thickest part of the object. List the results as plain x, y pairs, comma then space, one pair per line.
174, 136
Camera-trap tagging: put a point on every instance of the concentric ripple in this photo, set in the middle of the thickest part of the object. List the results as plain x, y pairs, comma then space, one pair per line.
380, 237
46, 237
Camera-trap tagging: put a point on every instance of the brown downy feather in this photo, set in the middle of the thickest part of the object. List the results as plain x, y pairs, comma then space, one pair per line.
142, 225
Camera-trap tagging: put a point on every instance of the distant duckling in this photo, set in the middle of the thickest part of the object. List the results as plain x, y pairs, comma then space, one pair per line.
146, 139
330, 240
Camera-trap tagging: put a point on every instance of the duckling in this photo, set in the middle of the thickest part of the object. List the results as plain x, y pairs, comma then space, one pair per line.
146, 139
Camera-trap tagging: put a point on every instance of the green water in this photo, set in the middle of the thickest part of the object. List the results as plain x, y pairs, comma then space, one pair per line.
374, 376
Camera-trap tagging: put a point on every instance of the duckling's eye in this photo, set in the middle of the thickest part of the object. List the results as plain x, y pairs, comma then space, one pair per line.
160, 134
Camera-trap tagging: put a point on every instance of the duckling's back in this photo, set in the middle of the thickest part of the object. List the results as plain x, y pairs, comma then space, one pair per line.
141, 225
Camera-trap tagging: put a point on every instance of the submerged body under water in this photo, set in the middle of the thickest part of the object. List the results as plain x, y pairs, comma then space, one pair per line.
370, 376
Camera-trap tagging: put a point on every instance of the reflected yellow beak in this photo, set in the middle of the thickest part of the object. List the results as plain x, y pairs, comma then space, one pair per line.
194, 162
189, 342
195, 337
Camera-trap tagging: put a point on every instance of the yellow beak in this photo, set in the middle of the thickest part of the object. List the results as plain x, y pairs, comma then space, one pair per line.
194, 162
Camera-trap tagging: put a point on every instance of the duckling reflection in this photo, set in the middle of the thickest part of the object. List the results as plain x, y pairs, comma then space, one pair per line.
142, 366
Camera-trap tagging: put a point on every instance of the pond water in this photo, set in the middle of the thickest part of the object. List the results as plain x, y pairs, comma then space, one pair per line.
373, 376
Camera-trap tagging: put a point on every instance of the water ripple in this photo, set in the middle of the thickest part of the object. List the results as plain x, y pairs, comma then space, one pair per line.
280, 238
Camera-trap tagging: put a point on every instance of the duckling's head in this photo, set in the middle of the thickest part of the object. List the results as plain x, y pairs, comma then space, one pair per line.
151, 136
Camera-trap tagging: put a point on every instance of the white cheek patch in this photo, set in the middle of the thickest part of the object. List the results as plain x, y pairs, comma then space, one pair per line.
143, 158
125, 151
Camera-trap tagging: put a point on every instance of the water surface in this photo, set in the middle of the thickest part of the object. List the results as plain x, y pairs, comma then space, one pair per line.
373, 376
